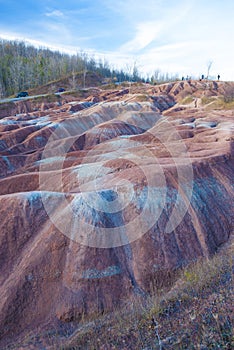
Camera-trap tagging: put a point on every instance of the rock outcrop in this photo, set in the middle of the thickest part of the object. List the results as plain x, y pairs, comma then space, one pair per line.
103, 201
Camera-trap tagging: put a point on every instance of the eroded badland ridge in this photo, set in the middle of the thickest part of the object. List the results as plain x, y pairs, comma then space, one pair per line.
105, 194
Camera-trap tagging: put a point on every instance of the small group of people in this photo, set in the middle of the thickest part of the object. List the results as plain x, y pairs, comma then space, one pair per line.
203, 77
187, 78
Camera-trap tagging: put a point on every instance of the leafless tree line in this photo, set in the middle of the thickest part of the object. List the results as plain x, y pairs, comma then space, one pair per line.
23, 66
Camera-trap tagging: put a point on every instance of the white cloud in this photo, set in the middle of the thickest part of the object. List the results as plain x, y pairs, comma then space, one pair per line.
54, 13
135, 10
174, 36
145, 33
158, 26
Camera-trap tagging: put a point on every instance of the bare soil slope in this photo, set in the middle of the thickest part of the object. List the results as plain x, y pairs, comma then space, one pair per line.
104, 196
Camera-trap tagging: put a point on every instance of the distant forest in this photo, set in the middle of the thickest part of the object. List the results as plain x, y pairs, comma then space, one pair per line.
23, 67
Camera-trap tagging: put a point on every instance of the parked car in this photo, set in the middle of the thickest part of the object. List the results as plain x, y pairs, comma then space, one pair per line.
22, 94
60, 90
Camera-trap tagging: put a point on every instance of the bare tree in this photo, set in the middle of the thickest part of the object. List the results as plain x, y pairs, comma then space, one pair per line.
1, 90
209, 64
73, 80
23, 66
84, 75
155, 77
132, 71
85, 59
129, 74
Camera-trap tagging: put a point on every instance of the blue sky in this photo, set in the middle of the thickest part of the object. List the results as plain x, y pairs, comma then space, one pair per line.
175, 36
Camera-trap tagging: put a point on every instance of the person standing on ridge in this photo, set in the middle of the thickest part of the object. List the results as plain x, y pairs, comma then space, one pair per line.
218, 76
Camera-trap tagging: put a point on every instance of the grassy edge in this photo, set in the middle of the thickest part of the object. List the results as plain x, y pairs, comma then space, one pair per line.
199, 294
196, 313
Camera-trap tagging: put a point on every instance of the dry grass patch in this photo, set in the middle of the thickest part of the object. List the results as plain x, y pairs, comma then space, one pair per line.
196, 314
187, 100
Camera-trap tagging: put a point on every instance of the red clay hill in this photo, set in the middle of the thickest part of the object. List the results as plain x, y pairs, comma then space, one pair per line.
105, 196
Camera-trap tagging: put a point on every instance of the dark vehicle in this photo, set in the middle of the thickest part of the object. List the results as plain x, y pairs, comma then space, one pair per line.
60, 90
22, 94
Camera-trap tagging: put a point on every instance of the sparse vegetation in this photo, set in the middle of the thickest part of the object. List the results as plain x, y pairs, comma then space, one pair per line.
197, 313
218, 103
187, 100
5, 106
142, 98
24, 67
226, 101
46, 98
206, 100
159, 77
229, 94
109, 86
